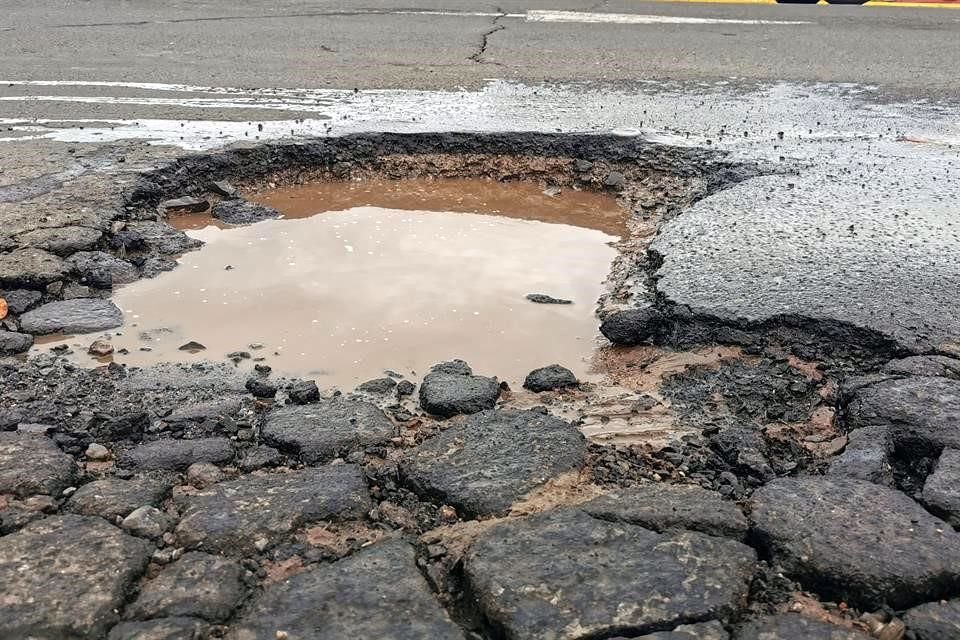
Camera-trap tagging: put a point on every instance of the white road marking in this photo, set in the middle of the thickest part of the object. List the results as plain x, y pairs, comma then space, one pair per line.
632, 18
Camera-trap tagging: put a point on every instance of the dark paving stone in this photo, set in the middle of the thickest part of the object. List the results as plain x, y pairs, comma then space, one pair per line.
941, 493
793, 627
934, 620
633, 326
867, 456
238, 516
322, 431
12, 343
484, 464
163, 238
102, 270
177, 454
242, 212
565, 574
259, 457
549, 378
61, 240
20, 300
162, 629
31, 269
214, 412
704, 631
304, 392
31, 464
198, 585
80, 315
451, 389
856, 541
111, 498
923, 413
664, 506
66, 576
375, 593
940, 366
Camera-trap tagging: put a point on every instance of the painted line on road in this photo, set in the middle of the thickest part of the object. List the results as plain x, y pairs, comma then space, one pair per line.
632, 18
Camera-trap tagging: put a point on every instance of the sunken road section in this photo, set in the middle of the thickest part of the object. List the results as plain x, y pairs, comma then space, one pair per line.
812, 497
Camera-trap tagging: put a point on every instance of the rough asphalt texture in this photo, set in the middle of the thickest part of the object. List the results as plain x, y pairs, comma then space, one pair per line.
201, 505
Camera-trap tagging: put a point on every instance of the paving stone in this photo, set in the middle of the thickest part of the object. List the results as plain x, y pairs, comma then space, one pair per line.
20, 300
549, 378
923, 413
31, 269
704, 631
102, 270
61, 240
451, 389
322, 431
934, 620
375, 593
566, 575
260, 457
664, 506
484, 464
941, 493
238, 516
794, 627
162, 629
177, 454
12, 343
65, 577
31, 464
242, 212
80, 315
198, 585
163, 238
867, 456
941, 366
113, 498
856, 541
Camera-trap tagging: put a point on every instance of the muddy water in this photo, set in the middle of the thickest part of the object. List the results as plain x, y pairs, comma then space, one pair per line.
362, 277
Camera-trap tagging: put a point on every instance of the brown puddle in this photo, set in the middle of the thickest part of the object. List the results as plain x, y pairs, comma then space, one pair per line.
391, 275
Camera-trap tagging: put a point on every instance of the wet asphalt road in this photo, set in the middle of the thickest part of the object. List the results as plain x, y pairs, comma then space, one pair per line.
433, 44
860, 230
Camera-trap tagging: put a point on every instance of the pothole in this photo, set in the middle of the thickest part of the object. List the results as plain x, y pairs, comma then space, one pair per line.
362, 276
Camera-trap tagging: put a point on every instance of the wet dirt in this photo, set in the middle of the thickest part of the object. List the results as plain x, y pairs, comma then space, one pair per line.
361, 276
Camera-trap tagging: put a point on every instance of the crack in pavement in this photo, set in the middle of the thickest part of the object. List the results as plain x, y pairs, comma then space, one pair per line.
477, 56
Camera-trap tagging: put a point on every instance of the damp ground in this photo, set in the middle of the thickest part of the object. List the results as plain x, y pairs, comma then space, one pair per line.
361, 276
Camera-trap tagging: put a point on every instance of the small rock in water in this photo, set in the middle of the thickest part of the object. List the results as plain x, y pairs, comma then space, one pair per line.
186, 204
378, 385
100, 348
97, 452
193, 347
405, 388
260, 388
237, 356
542, 298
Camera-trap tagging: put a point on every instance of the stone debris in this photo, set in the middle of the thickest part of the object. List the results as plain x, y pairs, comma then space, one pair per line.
242, 212
451, 389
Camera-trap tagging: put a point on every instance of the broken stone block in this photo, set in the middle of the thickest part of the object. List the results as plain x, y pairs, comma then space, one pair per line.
80, 315
794, 627
198, 585
247, 515
32, 464
941, 493
816, 528
66, 577
324, 430
451, 389
177, 454
565, 574
484, 464
377, 592
113, 498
